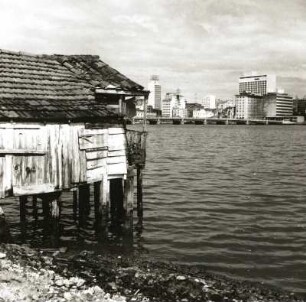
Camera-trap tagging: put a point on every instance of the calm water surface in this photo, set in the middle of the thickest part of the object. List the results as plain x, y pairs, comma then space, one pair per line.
231, 199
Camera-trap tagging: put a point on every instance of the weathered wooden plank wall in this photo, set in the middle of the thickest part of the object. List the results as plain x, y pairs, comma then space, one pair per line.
44, 158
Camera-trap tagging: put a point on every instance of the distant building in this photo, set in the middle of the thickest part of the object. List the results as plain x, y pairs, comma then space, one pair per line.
257, 84
209, 102
278, 104
174, 104
203, 113
190, 107
249, 106
155, 92
299, 107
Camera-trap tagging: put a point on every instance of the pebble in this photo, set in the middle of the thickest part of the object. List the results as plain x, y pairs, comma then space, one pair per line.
67, 296
59, 282
2, 255
180, 278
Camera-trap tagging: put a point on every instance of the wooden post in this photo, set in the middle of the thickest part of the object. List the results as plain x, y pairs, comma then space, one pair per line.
129, 195
34, 202
84, 206
75, 204
55, 217
139, 192
145, 112
116, 198
23, 211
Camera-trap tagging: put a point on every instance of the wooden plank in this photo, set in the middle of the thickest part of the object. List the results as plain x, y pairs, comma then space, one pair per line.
96, 163
95, 175
65, 143
116, 153
90, 132
22, 152
116, 142
33, 189
116, 131
116, 160
19, 126
96, 154
93, 141
123, 176
116, 169
2, 165
76, 155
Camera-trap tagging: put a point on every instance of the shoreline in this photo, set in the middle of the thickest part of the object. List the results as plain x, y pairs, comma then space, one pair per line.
111, 277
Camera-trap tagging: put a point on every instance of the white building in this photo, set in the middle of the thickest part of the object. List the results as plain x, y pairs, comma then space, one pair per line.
257, 84
209, 102
249, 106
154, 87
173, 105
202, 113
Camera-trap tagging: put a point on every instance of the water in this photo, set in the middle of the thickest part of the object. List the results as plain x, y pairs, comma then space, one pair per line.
231, 199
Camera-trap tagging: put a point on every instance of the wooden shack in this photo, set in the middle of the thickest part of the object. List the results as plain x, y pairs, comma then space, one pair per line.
62, 128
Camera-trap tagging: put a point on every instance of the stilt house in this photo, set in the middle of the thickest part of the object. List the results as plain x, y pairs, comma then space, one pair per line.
62, 124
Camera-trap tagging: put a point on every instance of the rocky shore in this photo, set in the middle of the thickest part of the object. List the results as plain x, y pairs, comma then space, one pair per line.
33, 275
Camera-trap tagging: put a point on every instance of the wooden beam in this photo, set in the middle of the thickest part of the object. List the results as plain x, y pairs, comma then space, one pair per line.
21, 152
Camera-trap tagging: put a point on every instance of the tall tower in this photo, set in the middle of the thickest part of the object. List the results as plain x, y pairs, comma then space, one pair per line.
257, 84
155, 92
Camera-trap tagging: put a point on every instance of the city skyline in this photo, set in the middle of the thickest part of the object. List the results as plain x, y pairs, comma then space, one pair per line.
199, 46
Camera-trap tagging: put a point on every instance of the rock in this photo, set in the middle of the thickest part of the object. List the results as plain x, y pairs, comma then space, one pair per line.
80, 283
2, 255
67, 296
180, 278
59, 283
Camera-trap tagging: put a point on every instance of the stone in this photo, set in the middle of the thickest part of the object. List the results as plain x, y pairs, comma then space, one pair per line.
180, 278
67, 296
2, 255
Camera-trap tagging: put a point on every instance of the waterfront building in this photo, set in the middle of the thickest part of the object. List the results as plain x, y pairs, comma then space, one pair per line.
209, 102
155, 92
249, 106
174, 104
278, 104
299, 107
257, 84
203, 113
190, 107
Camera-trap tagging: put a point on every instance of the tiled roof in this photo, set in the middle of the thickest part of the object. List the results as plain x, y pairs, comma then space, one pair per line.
54, 86
96, 72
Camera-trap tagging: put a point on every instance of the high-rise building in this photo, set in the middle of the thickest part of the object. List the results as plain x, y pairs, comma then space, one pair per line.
249, 106
257, 84
278, 104
154, 87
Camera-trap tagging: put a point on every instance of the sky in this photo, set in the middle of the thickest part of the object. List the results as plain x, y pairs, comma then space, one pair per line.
198, 46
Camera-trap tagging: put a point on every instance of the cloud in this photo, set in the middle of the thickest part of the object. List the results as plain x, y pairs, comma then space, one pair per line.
200, 46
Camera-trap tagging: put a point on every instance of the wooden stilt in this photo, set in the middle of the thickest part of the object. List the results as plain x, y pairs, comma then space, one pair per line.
55, 218
75, 204
84, 206
129, 195
116, 198
98, 201
23, 211
139, 193
46, 207
35, 210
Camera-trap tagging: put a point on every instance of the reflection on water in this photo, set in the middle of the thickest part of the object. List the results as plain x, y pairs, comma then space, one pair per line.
229, 198
76, 230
